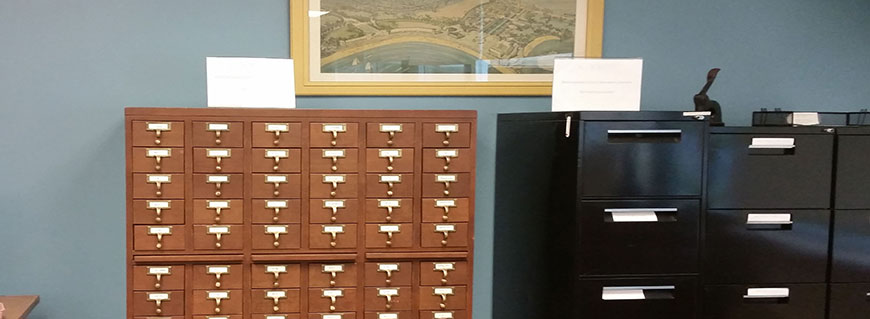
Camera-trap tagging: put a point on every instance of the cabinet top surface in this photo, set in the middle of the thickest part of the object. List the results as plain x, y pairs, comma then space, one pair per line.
263, 112
603, 116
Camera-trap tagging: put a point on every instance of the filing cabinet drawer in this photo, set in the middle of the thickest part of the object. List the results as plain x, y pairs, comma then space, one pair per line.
443, 298
145, 212
334, 134
217, 276
344, 315
334, 160
276, 211
224, 211
218, 160
218, 186
324, 211
158, 186
765, 302
639, 236
264, 300
332, 236
264, 275
277, 160
642, 158
217, 134
336, 274
447, 160
205, 302
389, 235
390, 160
158, 133
376, 298
447, 134
851, 251
388, 315
389, 210
849, 301
447, 185
264, 236
852, 173
656, 298
389, 185
276, 134
333, 185
162, 277
158, 160
276, 185
437, 210
321, 299
378, 134
454, 314
766, 246
434, 273
217, 237
158, 238
444, 235
388, 274
171, 303
744, 174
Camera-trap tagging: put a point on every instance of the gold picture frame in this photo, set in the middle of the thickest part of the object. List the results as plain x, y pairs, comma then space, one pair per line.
310, 81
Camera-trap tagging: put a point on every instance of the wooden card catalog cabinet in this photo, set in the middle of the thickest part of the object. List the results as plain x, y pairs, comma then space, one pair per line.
299, 214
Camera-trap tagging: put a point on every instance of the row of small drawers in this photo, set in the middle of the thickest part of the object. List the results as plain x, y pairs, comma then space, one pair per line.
231, 160
289, 185
277, 134
288, 236
457, 314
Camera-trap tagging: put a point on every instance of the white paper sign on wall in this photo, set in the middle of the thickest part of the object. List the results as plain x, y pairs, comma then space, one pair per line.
250, 82
597, 84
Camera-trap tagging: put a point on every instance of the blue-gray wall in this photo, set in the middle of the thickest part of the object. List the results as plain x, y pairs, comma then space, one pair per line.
67, 69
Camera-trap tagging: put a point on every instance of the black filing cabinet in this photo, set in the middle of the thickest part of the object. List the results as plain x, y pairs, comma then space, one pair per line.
598, 214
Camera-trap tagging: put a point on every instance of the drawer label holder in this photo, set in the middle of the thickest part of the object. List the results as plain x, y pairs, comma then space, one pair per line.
276, 231
333, 271
276, 296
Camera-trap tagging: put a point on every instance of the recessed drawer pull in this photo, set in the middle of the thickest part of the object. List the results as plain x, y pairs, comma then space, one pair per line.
644, 131
637, 293
772, 143
769, 219
766, 293
640, 215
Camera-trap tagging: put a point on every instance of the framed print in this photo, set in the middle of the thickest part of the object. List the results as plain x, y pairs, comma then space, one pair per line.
438, 47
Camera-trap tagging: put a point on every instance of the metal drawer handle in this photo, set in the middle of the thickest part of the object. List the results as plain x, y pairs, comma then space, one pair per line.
638, 215
633, 293
766, 293
644, 131
769, 219
772, 143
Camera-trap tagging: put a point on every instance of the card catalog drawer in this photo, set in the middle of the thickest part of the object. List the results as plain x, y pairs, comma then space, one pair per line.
217, 134
334, 185
220, 211
390, 160
276, 185
158, 133
218, 276
447, 185
388, 274
443, 298
752, 171
453, 314
217, 237
217, 302
218, 186
331, 299
158, 186
162, 277
158, 238
276, 211
218, 160
276, 236
332, 236
389, 210
334, 160
158, 160
389, 235
389, 185
325, 211
277, 160
657, 298
390, 134
851, 251
276, 316
334, 134
213, 317
158, 303
849, 301
276, 275
389, 314
332, 275
388, 298
447, 134
275, 300
434, 273
764, 302
436, 210
766, 246
447, 160
158, 211
445, 235
338, 315
277, 134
